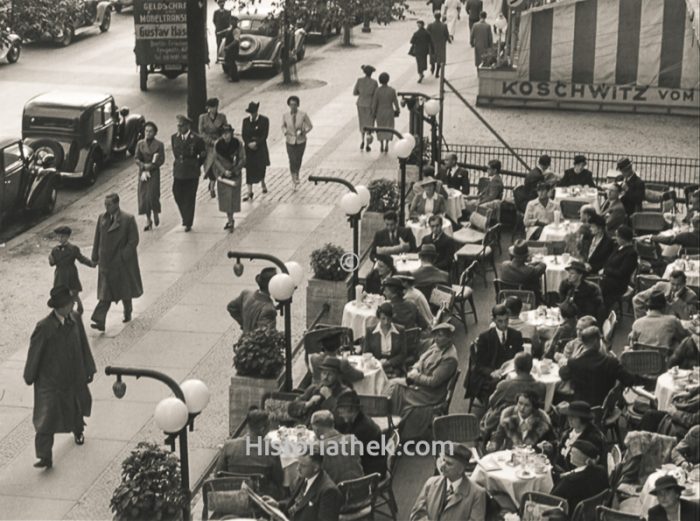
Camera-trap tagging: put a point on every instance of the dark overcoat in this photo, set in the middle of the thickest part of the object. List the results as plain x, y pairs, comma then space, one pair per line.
256, 161
59, 365
66, 274
114, 251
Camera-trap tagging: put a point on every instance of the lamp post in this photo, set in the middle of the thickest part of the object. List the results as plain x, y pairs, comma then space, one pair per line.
432, 108
197, 57
281, 288
352, 204
419, 104
173, 415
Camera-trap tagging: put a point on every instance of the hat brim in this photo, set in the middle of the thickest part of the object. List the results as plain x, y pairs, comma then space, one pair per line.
511, 251
654, 491
578, 414
59, 303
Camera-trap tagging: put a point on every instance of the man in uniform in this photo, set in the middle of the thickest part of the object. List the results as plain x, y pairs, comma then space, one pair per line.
189, 151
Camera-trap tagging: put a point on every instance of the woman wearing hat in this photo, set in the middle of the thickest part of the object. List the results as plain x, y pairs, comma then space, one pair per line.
383, 269
257, 157
601, 245
364, 90
579, 175
429, 202
386, 341
228, 165
149, 156
385, 107
210, 127
586, 480
671, 506
295, 126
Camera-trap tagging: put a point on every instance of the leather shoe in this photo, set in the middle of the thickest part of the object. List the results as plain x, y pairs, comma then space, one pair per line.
43, 463
127, 317
99, 327
79, 438
188, 228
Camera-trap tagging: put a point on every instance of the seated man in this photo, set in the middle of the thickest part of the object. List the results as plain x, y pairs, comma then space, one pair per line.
254, 309
241, 451
613, 210
341, 459
323, 395
682, 301
386, 341
539, 213
529, 332
565, 331
425, 385
586, 479
383, 269
494, 347
586, 296
444, 244
455, 176
428, 275
451, 495
493, 191
574, 347
536, 176
671, 505
351, 420
392, 239
521, 424
618, 269
687, 354
411, 294
429, 202
579, 175
689, 239
519, 271
405, 312
687, 453
331, 349
657, 328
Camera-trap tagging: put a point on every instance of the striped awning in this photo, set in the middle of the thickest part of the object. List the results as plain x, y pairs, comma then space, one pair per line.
621, 42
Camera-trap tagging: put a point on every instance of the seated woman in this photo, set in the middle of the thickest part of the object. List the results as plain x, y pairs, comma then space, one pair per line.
386, 342
601, 245
383, 269
429, 202
687, 354
521, 424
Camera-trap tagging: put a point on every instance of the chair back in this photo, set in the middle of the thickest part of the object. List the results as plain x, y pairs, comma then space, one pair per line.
442, 297
609, 327
445, 406
537, 248
276, 405
608, 514
585, 510
223, 497
457, 428
520, 198
648, 362
481, 218
528, 298
412, 336
392, 447
491, 236
571, 209
467, 277
648, 250
644, 281
312, 338
359, 495
376, 407
644, 223
537, 502
556, 247
499, 285
614, 459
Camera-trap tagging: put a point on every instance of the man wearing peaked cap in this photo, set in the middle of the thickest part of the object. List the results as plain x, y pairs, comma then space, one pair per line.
586, 480
254, 131
578, 175
428, 275
189, 152
253, 309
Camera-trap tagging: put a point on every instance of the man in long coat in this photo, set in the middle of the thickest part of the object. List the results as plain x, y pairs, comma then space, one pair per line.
60, 367
481, 38
254, 309
189, 151
257, 157
439, 36
114, 251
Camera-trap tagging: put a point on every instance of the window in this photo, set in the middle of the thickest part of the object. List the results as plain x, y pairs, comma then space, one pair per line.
12, 157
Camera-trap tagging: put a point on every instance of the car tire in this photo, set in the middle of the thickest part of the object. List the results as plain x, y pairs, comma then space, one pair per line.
65, 37
92, 167
51, 203
118, 7
106, 21
13, 53
51, 146
143, 78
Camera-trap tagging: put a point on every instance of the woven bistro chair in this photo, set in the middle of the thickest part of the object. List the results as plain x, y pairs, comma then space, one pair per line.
463, 294
484, 253
385, 490
571, 209
585, 510
359, 496
608, 514
222, 496
543, 499
647, 362
645, 223
457, 428
379, 409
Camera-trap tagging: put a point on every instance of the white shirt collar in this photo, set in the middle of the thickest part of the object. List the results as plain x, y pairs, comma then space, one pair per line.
455, 484
60, 318
425, 196
186, 134
310, 482
379, 330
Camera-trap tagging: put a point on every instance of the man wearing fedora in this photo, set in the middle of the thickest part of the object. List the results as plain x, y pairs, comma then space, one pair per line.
189, 152
321, 395
330, 348
539, 212
632, 187
671, 506
618, 269
587, 478
254, 309
257, 157
579, 175
60, 366
518, 271
452, 495
576, 290
429, 201
428, 275
613, 210
114, 252
352, 420
445, 245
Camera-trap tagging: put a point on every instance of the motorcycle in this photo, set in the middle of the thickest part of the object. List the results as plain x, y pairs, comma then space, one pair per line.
10, 46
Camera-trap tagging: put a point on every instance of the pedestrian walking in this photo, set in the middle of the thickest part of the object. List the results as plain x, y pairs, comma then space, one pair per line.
150, 156
474, 9
254, 309
210, 128
421, 48
364, 90
481, 38
255, 129
189, 151
385, 108
228, 167
63, 257
440, 36
295, 125
452, 12
114, 252
436, 5
222, 21
59, 366
231, 46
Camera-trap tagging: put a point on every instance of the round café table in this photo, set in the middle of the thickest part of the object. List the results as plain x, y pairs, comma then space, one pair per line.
291, 442
556, 270
406, 262
691, 492
420, 228
359, 316
545, 372
584, 194
546, 324
690, 268
455, 204
671, 382
559, 232
508, 479
375, 381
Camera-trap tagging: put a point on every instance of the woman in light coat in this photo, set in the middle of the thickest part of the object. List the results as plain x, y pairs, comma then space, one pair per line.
451, 12
365, 88
150, 156
385, 107
295, 126
209, 128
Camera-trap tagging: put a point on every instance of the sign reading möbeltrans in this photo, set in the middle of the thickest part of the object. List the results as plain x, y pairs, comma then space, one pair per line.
160, 27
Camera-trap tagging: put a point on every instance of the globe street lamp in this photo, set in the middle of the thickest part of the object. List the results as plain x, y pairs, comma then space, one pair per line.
281, 288
172, 415
432, 108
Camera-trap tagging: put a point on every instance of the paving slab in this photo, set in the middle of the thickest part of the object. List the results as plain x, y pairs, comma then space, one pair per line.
307, 211
118, 420
13, 390
169, 349
19, 507
180, 262
270, 241
201, 319
11, 417
213, 294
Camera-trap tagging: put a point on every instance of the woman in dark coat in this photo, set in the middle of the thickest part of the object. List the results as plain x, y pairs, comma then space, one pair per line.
150, 156
421, 48
257, 157
393, 355
210, 128
228, 167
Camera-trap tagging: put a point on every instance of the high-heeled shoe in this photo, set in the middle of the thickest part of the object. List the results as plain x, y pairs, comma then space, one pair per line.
156, 220
148, 227
264, 188
248, 197
362, 145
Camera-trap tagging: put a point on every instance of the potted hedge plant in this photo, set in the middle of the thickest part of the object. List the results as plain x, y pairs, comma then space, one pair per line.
384, 196
151, 486
328, 285
258, 357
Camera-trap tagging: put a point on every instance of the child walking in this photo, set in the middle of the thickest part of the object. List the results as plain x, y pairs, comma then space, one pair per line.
63, 257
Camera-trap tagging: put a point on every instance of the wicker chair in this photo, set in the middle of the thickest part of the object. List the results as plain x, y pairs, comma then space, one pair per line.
608, 328
379, 409
484, 252
645, 223
543, 499
385, 490
571, 209
528, 298
217, 492
359, 496
276, 403
457, 428
647, 362
608, 514
537, 248
585, 510
474, 231
464, 294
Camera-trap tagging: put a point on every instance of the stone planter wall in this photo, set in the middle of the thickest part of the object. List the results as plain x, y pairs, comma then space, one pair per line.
245, 391
319, 292
371, 223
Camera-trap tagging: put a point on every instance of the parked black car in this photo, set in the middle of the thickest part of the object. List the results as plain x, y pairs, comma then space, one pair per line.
82, 130
118, 5
24, 184
62, 24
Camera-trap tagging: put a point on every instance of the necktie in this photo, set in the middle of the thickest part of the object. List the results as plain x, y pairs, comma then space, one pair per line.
300, 496
393, 237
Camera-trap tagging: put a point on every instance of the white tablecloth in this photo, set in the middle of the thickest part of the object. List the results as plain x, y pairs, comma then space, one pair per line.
550, 378
359, 317
552, 232
585, 194
420, 230
545, 325
556, 269
289, 450
455, 204
691, 492
506, 480
375, 381
691, 269
670, 383
406, 263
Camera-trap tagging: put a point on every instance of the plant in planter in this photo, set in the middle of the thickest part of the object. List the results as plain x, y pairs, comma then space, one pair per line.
384, 196
328, 285
326, 263
259, 353
151, 487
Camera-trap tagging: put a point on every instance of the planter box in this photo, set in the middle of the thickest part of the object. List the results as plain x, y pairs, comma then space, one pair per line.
371, 223
319, 292
245, 391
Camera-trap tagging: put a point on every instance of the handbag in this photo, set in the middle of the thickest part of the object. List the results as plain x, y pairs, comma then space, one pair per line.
412, 50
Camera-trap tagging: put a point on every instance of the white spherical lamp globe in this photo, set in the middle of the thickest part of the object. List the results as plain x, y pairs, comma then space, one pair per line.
364, 194
295, 271
432, 107
411, 139
402, 149
351, 203
171, 415
281, 287
196, 395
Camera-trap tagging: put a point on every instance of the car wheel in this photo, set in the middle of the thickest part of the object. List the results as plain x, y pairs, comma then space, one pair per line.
92, 167
106, 21
51, 203
118, 7
277, 66
48, 146
143, 78
65, 36
13, 53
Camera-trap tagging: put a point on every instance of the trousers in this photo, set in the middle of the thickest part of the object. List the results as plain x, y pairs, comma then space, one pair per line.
43, 444
185, 195
100, 313
295, 154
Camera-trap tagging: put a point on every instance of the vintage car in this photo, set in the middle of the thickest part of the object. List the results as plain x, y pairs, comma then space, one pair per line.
24, 184
118, 5
83, 130
10, 46
78, 16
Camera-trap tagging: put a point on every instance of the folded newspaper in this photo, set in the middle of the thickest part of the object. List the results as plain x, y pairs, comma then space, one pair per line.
274, 513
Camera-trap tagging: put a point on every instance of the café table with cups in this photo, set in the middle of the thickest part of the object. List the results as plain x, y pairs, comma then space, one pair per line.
514, 472
545, 319
690, 481
406, 262
556, 269
290, 443
559, 231
545, 371
691, 268
361, 313
673, 381
375, 382
421, 228
584, 194
455, 204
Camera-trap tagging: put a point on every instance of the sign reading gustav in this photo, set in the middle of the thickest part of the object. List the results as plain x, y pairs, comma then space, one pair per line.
160, 27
